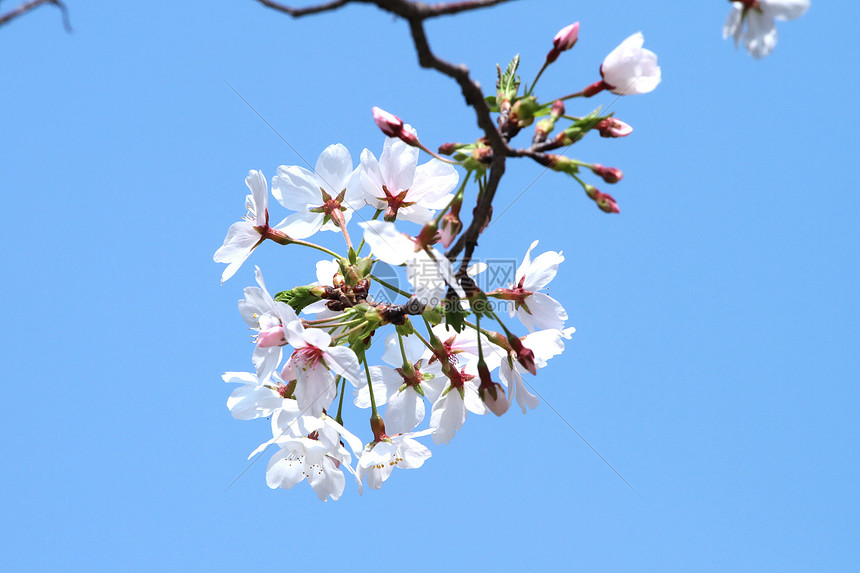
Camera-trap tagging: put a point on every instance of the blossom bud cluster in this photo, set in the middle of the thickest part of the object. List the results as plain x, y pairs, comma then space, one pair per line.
312, 343
446, 348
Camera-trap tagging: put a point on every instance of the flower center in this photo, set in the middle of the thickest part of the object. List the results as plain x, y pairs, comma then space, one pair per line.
395, 202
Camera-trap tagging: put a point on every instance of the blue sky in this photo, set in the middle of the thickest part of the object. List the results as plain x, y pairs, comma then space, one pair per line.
715, 359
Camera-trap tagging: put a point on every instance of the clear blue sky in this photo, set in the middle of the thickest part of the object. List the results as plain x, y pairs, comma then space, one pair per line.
716, 355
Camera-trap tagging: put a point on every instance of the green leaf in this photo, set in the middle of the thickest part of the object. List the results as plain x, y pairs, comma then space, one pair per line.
508, 83
298, 297
455, 315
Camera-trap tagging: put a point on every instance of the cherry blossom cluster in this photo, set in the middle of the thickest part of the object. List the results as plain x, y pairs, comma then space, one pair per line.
445, 344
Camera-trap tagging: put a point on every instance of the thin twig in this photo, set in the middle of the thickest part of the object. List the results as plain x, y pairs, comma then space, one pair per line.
415, 13
298, 12
33, 4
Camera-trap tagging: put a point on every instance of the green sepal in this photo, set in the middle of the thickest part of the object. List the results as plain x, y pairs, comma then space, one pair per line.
433, 315
298, 298
405, 329
455, 315
364, 266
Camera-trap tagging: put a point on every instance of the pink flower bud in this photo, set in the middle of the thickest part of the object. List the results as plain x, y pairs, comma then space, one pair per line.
611, 127
566, 37
491, 392
609, 174
377, 425
524, 355
557, 109
271, 337
494, 398
563, 41
392, 126
449, 148
606, 203
451, 227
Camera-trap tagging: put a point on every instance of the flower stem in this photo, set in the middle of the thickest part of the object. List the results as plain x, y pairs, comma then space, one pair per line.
537, 77
338, 418
315, 246
390, 286
361, 244
373, 412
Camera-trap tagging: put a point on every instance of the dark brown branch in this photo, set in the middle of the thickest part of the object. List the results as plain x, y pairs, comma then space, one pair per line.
415, 13
33, 4
298, 12
440, 9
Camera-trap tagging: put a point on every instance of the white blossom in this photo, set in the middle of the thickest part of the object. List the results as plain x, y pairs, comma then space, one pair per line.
379, 459
759, 16
403, 189
630, 69
321, 198
245, 235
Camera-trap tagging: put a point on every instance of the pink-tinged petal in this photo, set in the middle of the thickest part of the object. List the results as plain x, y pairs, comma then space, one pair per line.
566, 38
333, 169
630, 69
296, 188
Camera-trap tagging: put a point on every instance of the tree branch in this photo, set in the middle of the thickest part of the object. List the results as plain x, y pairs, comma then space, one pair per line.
298, 12
33, 4
415, 13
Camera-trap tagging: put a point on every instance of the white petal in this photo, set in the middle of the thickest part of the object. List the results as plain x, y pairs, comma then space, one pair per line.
785, 9
296, 188
302, 225
333, 169
733, 22
387, 243
447, 416
343, 361
404, 412
398, 163
260, 193
433, 183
